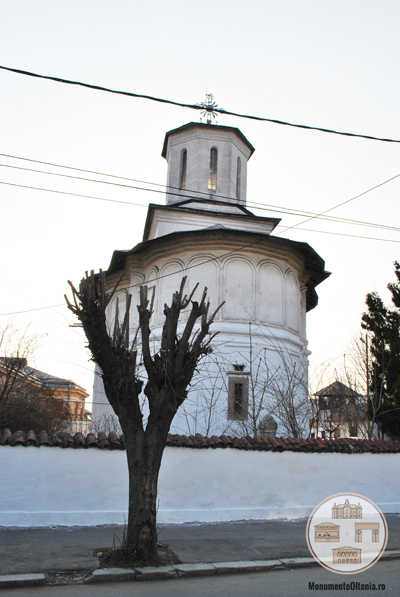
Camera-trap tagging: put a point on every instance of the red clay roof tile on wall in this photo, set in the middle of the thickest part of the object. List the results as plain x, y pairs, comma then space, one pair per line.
283, 444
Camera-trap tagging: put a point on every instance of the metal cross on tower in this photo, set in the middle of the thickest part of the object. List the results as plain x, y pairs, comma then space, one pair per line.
208, 109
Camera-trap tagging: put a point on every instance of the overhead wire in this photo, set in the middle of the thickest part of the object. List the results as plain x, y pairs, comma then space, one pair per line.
217, 257
251, 204
341, 204
197, 107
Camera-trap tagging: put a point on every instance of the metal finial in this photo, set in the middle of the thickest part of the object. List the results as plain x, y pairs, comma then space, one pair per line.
208, 109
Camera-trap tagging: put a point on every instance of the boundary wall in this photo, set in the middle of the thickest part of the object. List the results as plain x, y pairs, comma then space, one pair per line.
50, 486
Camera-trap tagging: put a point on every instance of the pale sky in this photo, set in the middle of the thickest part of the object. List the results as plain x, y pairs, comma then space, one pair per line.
333, 65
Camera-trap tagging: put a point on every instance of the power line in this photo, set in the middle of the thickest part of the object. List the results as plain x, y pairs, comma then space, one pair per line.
251, 204
195, 106
341, 204
30, 310
386, 240
23, 186
220, 256
208, 261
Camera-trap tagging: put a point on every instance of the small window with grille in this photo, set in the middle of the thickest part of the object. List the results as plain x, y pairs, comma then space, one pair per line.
238, 389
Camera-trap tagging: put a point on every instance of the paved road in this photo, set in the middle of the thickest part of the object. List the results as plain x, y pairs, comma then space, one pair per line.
281, 583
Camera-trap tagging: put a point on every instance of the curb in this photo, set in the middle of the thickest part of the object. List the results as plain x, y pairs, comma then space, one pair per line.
22, 580
101, 575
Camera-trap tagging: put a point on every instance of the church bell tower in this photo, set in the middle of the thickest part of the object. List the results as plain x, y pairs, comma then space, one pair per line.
207, 161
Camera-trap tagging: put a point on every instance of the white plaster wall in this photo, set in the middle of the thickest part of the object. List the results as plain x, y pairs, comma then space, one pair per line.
167, 223
263, 291
52, 486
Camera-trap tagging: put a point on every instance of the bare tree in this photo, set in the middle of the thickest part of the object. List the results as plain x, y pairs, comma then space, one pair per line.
340, 409
107, 422
203, 409
253, 394
25, 402
169, 373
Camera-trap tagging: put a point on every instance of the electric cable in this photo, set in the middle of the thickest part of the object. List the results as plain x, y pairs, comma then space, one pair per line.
209, 260
220, 256
197, 107
251, 204
341, 204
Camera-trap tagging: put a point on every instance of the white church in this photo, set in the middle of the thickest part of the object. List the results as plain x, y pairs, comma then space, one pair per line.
255, 380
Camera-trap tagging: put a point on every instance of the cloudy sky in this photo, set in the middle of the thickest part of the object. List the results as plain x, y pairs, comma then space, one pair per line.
332, 65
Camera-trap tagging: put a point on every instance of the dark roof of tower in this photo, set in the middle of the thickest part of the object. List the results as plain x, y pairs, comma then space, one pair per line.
337, 390
190, 125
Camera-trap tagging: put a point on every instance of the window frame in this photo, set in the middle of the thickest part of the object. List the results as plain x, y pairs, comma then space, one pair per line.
235, 380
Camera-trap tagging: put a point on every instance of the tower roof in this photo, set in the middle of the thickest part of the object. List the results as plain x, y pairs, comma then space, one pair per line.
337, 390
192, 125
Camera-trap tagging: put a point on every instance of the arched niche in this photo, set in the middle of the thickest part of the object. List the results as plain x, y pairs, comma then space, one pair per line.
136, 281
238, 289
116, 308
292, 301
207, 275
169, 282
270, 294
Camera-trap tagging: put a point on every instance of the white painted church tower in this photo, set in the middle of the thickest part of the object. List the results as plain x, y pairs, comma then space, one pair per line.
255, 381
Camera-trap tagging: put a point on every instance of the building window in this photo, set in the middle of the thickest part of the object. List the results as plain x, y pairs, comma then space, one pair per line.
238, 389
212, 176
238, 178
238, 398
353, 431
183, 169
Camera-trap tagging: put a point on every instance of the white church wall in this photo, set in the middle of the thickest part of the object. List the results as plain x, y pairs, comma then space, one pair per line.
238, 284
271, 293
54, 486
263, 292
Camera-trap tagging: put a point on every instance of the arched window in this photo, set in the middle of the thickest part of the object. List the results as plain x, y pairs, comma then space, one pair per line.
212, 176
238, 177
183, 169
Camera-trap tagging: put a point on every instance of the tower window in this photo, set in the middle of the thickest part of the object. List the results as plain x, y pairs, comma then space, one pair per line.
212, 177
238, 178
183, 169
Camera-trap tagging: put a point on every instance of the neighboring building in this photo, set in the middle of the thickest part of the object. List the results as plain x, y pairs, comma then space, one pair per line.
64, 389
338, 411
206, 232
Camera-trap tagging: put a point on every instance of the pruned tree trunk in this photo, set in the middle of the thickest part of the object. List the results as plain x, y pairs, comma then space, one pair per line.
169, 373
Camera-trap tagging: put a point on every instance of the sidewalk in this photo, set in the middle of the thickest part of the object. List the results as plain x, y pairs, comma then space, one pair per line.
73, 549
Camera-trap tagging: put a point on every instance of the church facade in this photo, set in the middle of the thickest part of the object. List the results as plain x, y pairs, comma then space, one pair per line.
255, 381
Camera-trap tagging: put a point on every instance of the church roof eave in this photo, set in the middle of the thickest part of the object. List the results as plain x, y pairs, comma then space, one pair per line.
314, 264
189, 125
181, 207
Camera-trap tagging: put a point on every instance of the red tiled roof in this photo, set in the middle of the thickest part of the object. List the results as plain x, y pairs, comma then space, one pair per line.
275, 444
